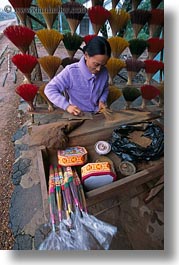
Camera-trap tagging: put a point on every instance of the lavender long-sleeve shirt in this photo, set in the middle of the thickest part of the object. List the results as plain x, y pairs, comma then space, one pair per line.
84, 89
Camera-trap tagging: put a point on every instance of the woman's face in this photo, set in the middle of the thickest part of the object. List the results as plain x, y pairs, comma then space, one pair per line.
96, 62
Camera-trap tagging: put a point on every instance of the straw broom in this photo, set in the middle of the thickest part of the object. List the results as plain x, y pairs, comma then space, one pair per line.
114, 66
148, 92
139, 18
114, 94
50, 10
118, 45
28, 93
137, 47
25, 63
20, 36
50, 38
152, 67
118, 19
72, 43
156, 20
98, 16
74, 13
133, 66
130, 94
23, 7
155, 45
50, 64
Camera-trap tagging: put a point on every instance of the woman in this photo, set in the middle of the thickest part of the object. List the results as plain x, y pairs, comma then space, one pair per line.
85, 82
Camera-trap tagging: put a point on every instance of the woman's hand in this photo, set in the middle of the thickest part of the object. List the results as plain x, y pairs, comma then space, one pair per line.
101, 105
72, 109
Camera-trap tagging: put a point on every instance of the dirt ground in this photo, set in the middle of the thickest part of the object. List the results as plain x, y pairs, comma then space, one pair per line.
9, 123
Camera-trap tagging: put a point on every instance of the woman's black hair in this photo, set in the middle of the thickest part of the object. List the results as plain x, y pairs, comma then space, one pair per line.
98, 45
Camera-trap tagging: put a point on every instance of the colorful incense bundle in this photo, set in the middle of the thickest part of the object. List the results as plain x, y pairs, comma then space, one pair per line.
135, 4
148, 92
130, 94
21, 8
20, 36
25, 63
137, 47
139, 18
114, 3
118, 19
114, 94
50, 38
67, 60
74, 13
155, 45
151, 67
133, 66
114, 66
155, 3
89, 37
28, 93
44, 97
156, 20
98, 16
72, 43
118, 45
50, 10
50, 64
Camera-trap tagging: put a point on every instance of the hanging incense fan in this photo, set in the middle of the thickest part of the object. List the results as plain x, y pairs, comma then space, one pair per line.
151, 68
155, 45
148, 92
21, 8
20, 36
156, 20
114, 94
89, 37
98, 16
118, 45
139, 18
50, 10
50, 38
72, 43
137, 47
114, 66
50, 64
25, 63
118, 19
130, 93
74, 13
28, 93
133, 66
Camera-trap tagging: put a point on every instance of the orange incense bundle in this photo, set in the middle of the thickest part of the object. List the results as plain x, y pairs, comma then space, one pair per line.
118, 45
114, 66
28, 93
98, 16
50, 64
74, 13
139, 18
133, 66
20, 36
151, 67
155, 45
25, 63
89, 37
156, 20
118, 19
21, 8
